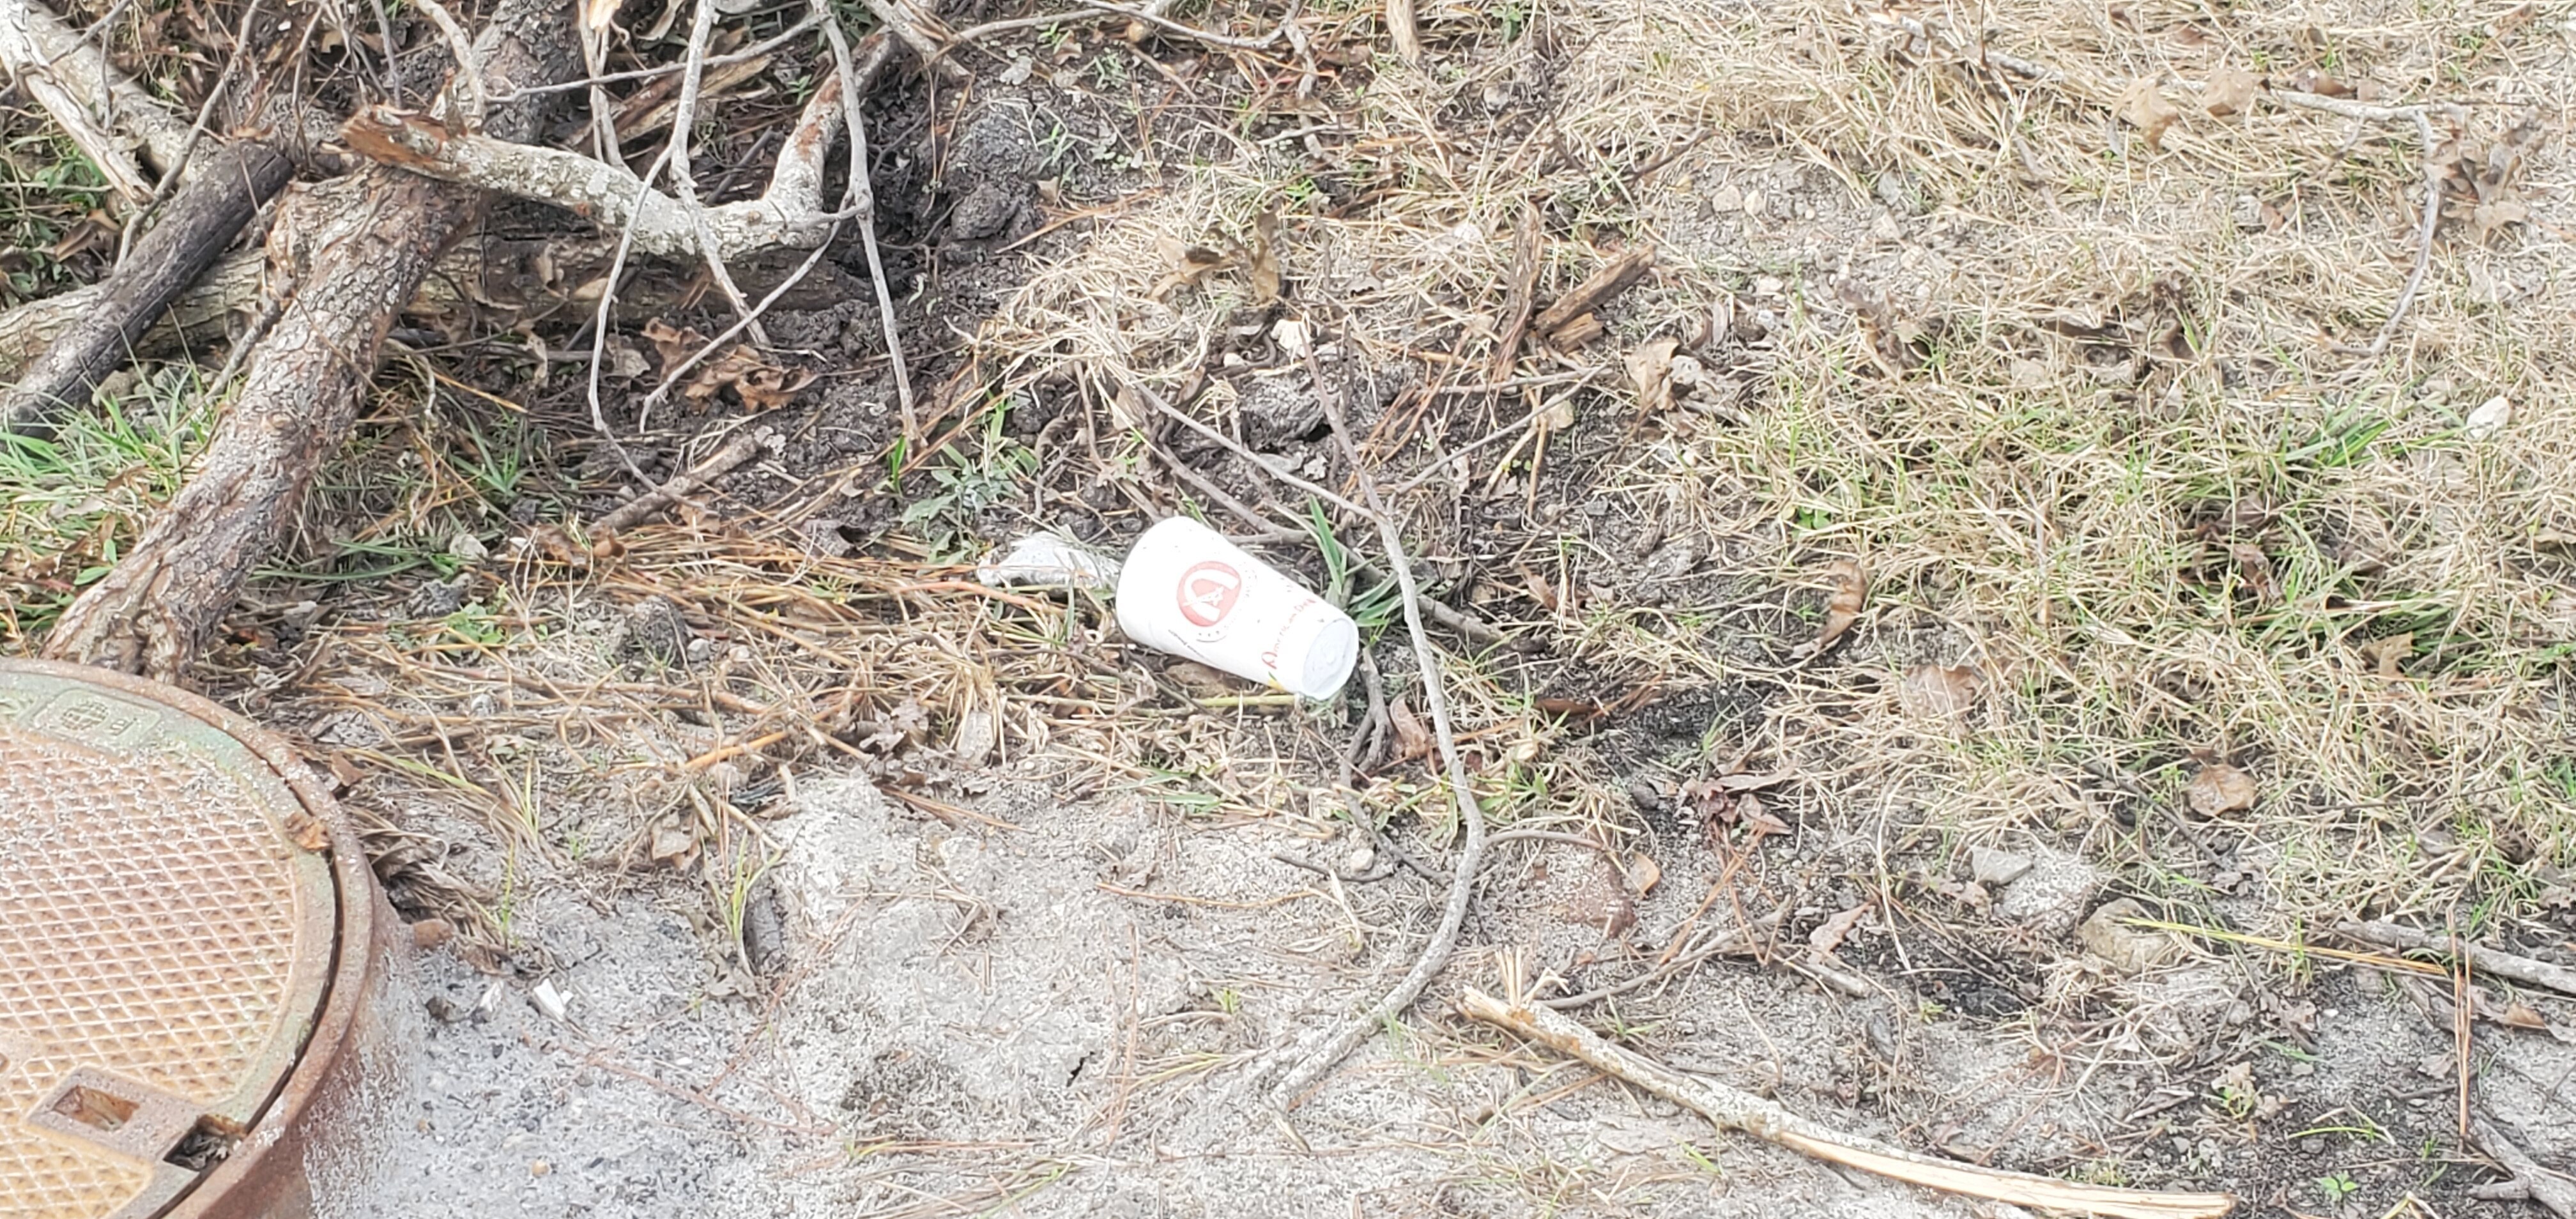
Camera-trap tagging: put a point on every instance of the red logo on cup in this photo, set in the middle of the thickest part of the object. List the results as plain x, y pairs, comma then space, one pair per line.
1208, 591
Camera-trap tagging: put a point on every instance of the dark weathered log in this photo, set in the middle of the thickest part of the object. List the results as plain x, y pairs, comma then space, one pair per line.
217, 197
344, 257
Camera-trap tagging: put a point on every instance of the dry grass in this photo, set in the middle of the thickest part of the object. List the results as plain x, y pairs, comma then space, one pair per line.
2089, 433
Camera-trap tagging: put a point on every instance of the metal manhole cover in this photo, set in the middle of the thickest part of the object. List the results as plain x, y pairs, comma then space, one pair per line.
170, 931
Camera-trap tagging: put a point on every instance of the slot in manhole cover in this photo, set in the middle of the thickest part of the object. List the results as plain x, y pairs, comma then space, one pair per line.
178, 905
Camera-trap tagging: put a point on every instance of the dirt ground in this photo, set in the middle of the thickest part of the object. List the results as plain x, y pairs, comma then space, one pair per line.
1996, 501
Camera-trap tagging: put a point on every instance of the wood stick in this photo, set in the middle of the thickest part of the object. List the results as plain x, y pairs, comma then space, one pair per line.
352, 250
2541, 1183
2509, 966
641, 508
1729, 1109
214, 201
88, 99
1406, 33
1612, 279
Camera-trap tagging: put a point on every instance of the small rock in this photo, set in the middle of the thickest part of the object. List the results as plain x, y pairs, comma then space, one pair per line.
977, 733
441, 1010
467, 548
1360, 860
2128, 949
1994, 866
545, 998
1895, 191
2051, 897
1726, 198
2489, 419
1753, 205
2248, 214
1884, 227
1769, 285
2312, 1145
539, 1168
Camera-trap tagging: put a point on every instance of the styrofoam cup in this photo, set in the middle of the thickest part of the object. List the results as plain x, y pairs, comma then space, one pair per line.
1188, 591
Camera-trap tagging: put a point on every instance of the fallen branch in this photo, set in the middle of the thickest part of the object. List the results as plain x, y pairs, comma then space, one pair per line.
1729, 1109
103, 113
2537, 1181
348, 254
188, 235
789, 213
642, 508
2506, 965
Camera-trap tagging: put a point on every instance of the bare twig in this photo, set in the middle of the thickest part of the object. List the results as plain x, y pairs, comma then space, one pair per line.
2506, 965
861, 199
2426, 223
1729, 1109
636, 511
472, 103
1462, 881
684, 183
788, 214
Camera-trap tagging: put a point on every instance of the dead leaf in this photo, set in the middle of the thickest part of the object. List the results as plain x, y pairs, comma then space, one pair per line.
2146, 108
1737, 783
1757, 820
2220, 789
2230, 90
1829, 934
2521, 1016
672, 343
1264, 272
1191, 265
1650, 369
2384, 655
596, 14
673, 845
1412, 740
1643, 872
1842, 606
2255, 569
1936, 690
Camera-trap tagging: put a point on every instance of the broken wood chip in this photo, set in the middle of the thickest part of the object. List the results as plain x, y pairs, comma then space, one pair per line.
2220, 789
1264, 259
1850, 587
2146, 108
1613, 278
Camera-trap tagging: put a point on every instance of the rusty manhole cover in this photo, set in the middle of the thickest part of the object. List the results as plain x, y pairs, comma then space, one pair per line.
184, 930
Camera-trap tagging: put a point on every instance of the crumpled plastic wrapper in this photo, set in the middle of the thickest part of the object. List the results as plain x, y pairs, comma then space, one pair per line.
1046, 560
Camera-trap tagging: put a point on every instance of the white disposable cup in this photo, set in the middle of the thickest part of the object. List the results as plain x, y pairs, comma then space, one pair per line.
1186, 590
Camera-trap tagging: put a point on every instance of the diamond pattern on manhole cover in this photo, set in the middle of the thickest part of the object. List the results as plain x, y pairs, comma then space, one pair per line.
164, 944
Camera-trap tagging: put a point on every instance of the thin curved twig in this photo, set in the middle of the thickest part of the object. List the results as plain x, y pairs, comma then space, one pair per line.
862, 198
